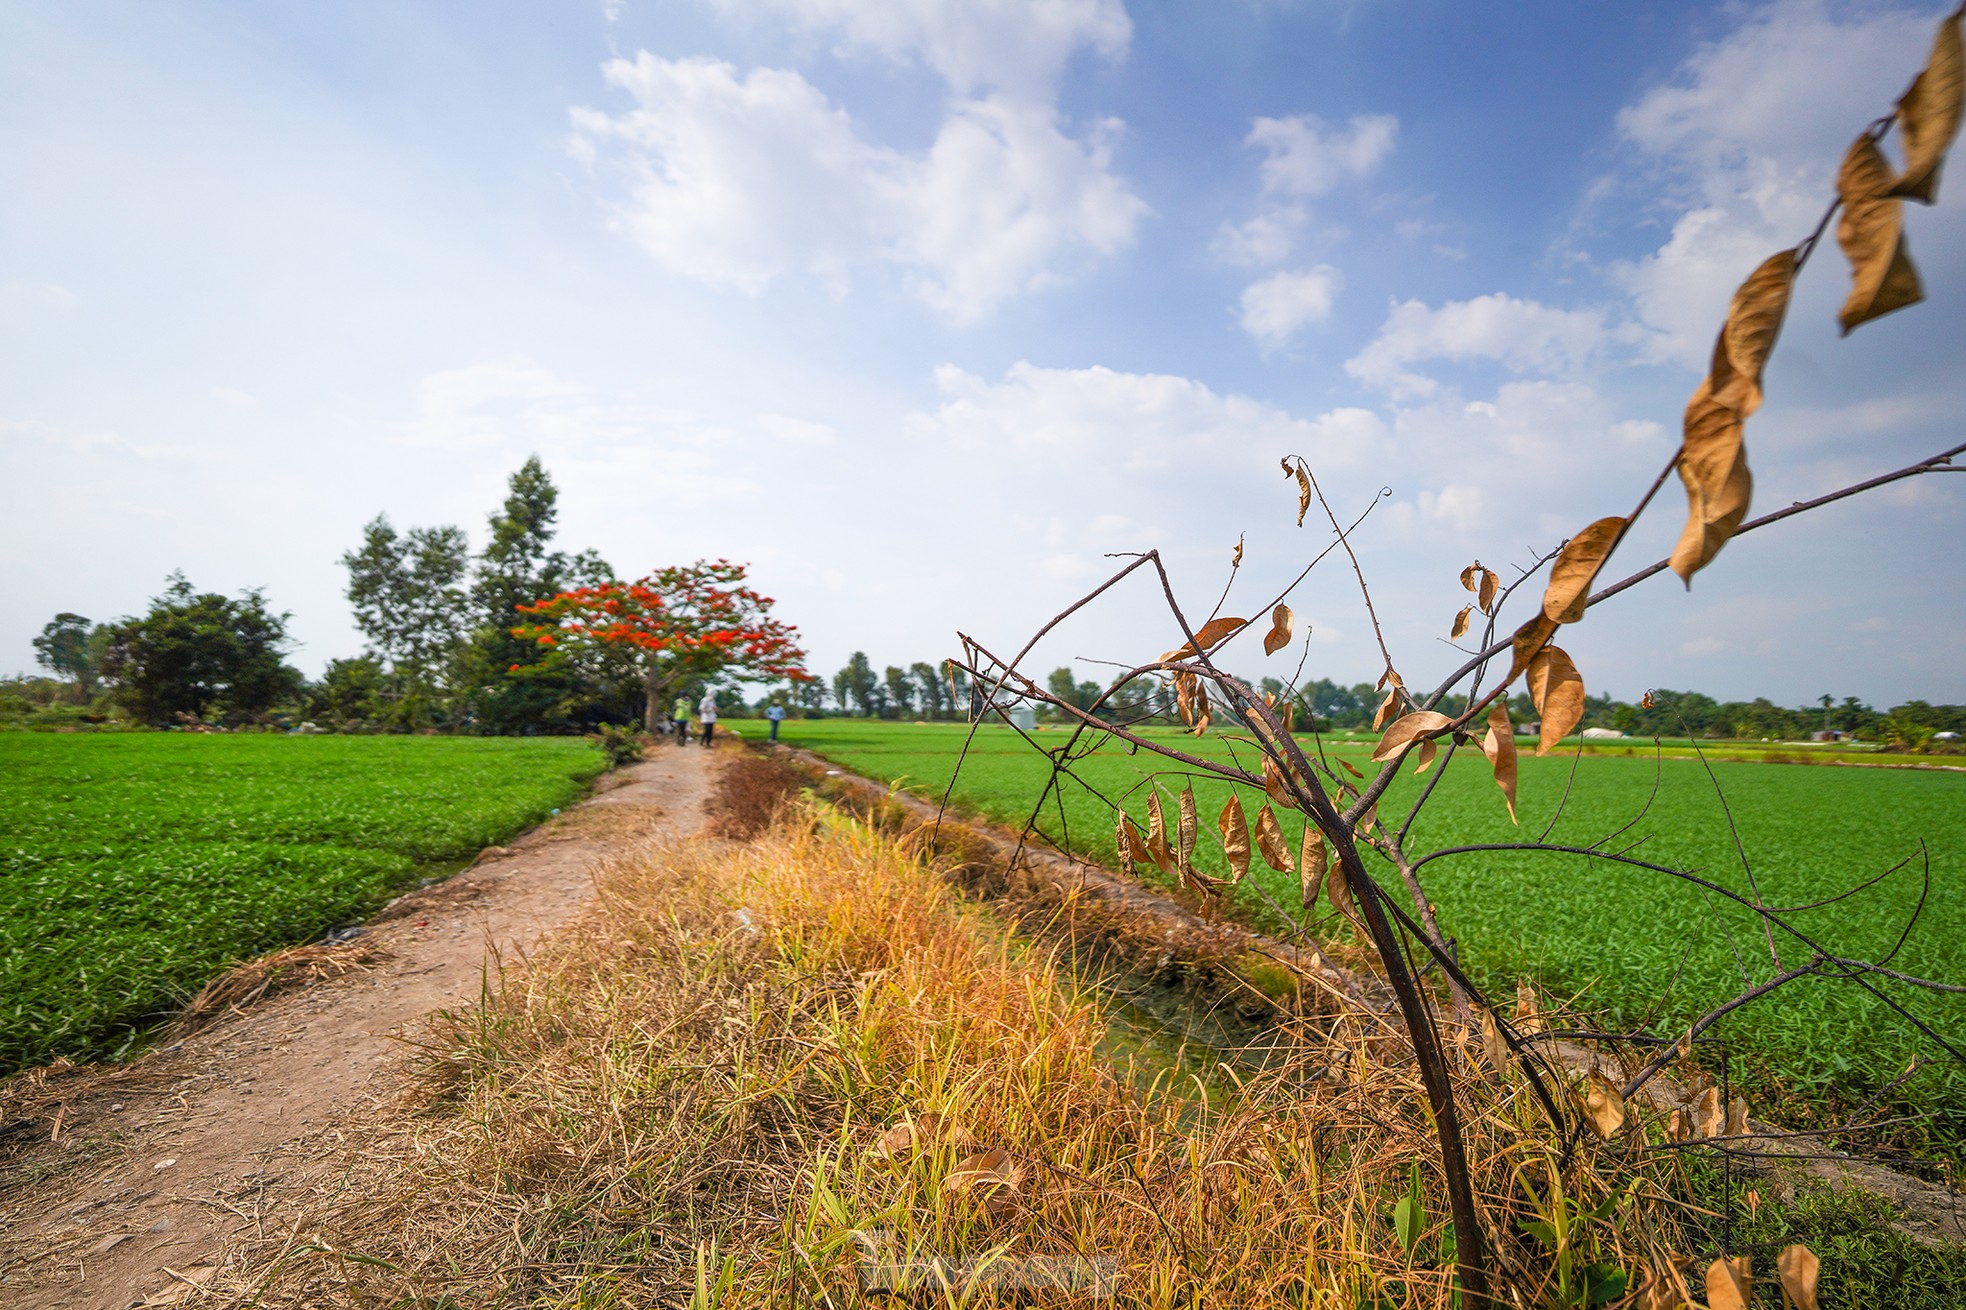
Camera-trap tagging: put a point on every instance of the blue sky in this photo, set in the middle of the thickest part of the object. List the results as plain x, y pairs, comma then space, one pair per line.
921, 308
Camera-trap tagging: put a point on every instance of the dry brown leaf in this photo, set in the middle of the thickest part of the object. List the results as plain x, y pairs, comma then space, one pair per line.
1871, 233
1486, 596
1157, 849
1404, 730
1682, 1125
1528, 640
1754, 320
1235, 838
1658, 1293
1928, 115
1314, 866
907, 1137
1558, 691
992, 1177
1498, 744
1493, 1048
1212, 634
1428, 749
1386, 708
1279, 634
1337, 889
1270, 841
1350, 768
1235, 562
1460, 623
1798, 1267
1185, 834
1469, 576
1707, 1117
1737, 1117
1528, 1017
1576, 568
1730, 1284
1274, 785
1303, 493
1710, 449
1603, 1106
1127, 837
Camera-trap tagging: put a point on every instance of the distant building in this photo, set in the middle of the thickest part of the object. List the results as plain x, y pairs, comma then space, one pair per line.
1600, 734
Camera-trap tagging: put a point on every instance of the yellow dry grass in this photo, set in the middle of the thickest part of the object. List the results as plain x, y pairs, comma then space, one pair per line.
696, 1098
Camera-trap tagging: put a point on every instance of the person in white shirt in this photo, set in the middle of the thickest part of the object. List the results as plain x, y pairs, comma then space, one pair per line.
706, 714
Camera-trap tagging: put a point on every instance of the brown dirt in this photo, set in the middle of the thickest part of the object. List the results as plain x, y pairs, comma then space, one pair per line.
123, 1185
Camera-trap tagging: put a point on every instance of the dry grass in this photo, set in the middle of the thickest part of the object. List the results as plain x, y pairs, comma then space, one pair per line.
684, 1103
266, 975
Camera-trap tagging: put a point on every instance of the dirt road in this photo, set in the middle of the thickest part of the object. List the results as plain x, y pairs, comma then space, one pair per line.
132, 1179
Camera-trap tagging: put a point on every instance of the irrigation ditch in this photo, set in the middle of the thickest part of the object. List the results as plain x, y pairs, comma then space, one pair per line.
1206, 998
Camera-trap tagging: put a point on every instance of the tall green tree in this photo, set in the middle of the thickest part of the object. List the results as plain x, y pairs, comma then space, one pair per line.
71, 647
901, 690
857, 686
200, 655
932, 694
518, 567
411, 604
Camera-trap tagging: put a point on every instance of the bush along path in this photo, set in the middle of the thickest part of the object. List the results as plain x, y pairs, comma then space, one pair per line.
125, 1184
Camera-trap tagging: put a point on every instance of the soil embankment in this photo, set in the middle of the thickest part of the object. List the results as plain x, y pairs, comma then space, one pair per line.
122, 1185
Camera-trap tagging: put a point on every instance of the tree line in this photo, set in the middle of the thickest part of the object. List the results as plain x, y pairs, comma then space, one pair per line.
521, 638
515, 638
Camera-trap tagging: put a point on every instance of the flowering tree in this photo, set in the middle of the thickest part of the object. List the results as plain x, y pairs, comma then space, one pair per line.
678, 625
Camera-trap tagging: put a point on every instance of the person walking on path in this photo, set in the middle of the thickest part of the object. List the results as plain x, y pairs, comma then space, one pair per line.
776, 713
707, 712
680, 713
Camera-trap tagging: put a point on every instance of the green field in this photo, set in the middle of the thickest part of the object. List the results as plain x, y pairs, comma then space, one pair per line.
134, 866
1612, 935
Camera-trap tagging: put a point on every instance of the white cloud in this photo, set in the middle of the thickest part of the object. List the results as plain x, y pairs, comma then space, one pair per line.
738, 179
1131, 422
1267, 238
1749, 132
1306, 157
234, 398
1459, 505
1273, 309
1303, 157
1020, 46
1523, 336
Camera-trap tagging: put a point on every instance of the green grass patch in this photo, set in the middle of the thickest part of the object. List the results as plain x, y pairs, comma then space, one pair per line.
134, 866
1623, 941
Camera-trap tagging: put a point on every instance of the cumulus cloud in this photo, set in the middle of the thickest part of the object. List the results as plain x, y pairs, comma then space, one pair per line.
1748, 133
1303, 158
1273, 309
736, 179
1132, 422
1524, 336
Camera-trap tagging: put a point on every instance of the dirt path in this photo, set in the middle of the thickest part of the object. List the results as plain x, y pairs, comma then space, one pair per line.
139, 1174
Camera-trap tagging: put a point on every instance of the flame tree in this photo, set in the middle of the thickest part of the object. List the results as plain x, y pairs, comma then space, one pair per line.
679, 625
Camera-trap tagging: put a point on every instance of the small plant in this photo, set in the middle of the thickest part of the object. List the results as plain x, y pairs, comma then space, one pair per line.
621, 745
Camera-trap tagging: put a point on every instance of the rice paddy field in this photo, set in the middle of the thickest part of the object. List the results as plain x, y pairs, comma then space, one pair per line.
134, 866
1621, 941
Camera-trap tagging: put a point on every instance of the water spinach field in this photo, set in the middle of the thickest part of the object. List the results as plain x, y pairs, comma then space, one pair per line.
133, 866
1623, 941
